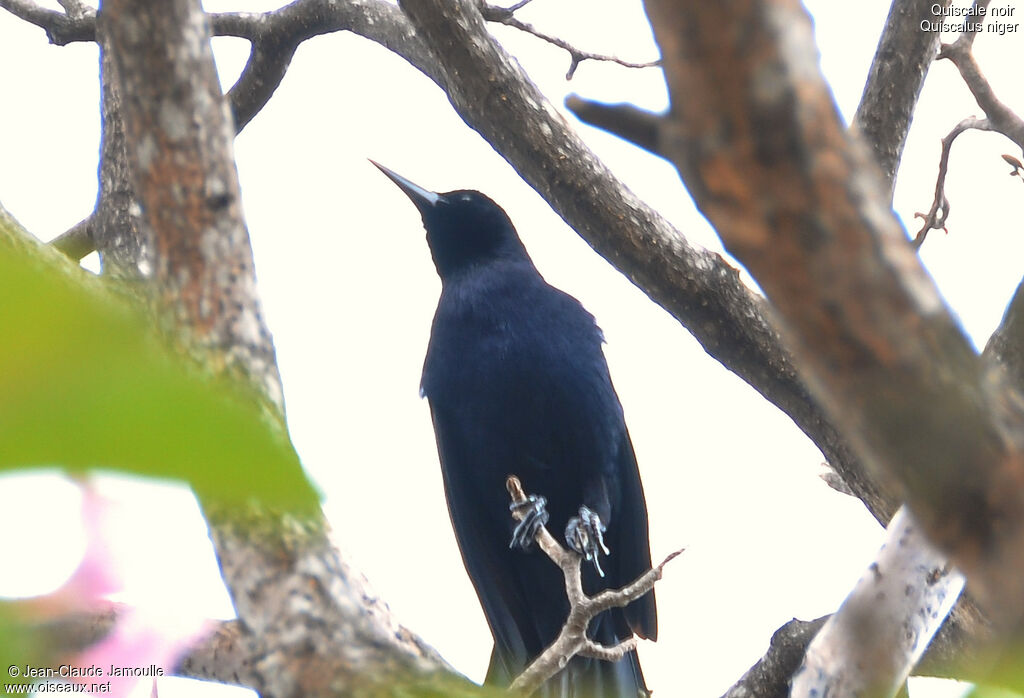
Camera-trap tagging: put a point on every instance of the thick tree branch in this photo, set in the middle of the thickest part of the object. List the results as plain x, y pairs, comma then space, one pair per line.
1005, 347
901, 62
769, 677
756, 137
871, 644
948, 656
897, 74
181, 158
229, 654
124, 245
319, 628
226, 655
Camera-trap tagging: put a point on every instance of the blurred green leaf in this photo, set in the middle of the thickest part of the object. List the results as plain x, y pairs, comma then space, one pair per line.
983, 691
19, 647
84, 383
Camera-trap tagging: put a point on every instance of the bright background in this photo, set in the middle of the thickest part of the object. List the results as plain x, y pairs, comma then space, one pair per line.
349, 292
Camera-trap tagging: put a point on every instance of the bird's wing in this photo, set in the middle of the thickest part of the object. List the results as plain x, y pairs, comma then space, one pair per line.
482, 538
630, 542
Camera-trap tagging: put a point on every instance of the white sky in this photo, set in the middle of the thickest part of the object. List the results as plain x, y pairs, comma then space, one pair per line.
349, 292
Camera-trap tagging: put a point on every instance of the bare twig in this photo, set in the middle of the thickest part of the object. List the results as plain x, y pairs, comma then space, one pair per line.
519, 5
936, 217
506, 16
1002, 118
573, 640
1017, 165
999, 118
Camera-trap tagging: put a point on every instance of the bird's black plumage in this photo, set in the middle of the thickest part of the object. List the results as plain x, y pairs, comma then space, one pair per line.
518, 384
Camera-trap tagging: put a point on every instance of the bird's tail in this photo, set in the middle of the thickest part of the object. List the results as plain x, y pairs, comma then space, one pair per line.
584, 678
593, 678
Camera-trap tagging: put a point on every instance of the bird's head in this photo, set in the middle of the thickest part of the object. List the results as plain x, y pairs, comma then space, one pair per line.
464, 227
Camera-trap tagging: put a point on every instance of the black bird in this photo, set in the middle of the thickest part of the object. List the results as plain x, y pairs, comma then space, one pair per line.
518, 384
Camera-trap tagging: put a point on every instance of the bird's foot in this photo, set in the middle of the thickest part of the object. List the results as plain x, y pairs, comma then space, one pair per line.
585, 535
534, 515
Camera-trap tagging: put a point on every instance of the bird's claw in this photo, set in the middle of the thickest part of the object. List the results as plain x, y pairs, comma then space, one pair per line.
534, 515
585, 535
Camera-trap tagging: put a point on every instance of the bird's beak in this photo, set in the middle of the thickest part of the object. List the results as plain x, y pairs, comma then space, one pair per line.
423, 198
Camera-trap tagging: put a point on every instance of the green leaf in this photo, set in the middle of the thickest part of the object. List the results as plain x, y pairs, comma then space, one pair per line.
983, 691
19, 647
84, 383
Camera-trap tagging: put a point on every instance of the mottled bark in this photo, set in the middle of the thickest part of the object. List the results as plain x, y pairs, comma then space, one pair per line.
314, 626
870, 645
901, 62
755, 135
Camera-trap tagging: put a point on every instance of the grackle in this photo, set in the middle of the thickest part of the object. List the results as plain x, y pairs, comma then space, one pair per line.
517, 383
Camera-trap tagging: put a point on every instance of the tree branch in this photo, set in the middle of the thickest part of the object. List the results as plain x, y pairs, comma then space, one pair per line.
76, 242
124, 245
628, 122
700, 289
277, 34
894, 82
182, 163
999, 118
883, 117
274, 36
320, 629
1005, 347
506, 16
228, 654
697, 287
814, 227
61, 28
573, 640
1002, 118
769, 677
936, 217
871, 644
